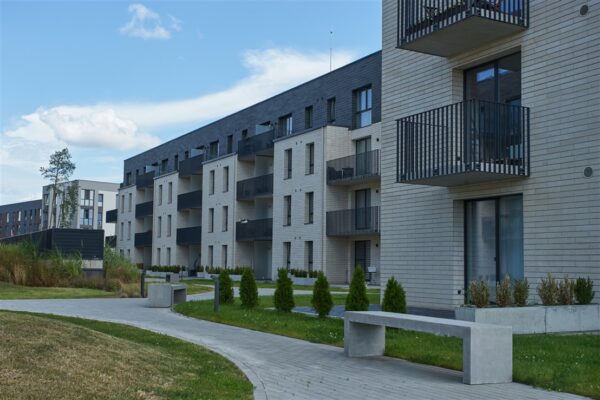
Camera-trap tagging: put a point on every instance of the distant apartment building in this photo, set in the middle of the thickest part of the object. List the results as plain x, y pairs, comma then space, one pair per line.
491, 144
20, 218
290, 182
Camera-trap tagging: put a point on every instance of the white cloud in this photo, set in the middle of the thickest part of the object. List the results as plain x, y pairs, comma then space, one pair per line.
146, 24
176, 23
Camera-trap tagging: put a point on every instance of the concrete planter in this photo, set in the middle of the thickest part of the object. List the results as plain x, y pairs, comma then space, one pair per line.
303, 281
205, 275
536, 319
156, 274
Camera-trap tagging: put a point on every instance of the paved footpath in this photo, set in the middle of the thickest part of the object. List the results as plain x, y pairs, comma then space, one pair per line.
285, 368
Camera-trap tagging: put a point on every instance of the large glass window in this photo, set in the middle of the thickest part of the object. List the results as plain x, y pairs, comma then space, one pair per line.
362, 203
286, 125
287, 210
498, 81
363, 100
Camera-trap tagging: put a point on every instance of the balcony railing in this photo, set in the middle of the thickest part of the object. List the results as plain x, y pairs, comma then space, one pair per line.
187, 236
357, 167
111, 216
254, 230
449, 27
191, 166
143, 239
144, 209
260, 186
189, 200
467, 142
255, 145
353, 222
145, 180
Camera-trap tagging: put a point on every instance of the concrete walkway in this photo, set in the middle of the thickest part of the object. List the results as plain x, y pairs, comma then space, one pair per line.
285, 368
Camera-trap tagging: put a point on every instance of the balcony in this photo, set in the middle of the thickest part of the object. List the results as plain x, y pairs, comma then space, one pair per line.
353, 222
145, 180
255, 230
143, 239
188, 236
261, 144
191, 166
188, 201
354, 169
260, 186
446, 28
468, 142
144, 209
111, 216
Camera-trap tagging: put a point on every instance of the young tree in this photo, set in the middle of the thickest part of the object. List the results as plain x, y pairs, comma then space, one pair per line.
69, 204
225, 287
59, 170
321, 299
357, 299
284, 293
248, 289
394, 298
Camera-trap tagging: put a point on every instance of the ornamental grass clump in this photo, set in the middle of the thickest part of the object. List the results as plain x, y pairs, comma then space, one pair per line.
357, 299
584, 293
284, 292
566, 291
394, 297
479, 293
521, 292
548, 290
321, 298
225, 288
248, 289
504, 292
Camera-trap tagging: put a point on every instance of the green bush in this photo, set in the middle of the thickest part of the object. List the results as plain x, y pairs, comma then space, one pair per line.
248, 289
504, 292
394, 297
548, 290
284, 292
225, 288
321, 298
357, 299
584, 292
118, 267
566, 291
521, 292
479, 293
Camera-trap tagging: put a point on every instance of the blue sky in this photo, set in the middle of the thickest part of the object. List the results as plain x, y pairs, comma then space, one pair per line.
110, 79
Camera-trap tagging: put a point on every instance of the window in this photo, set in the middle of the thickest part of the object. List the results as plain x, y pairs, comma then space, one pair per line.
362, 209
130, 202
123, 204
170, 193
168, 256
99, 219
169, 221
100, 200
331, 110
186, 155
310, 158
308, 248
213, 150
122, 231
211, 182
309, 204
176, 162
128, 254
308, 117
210, 255
121, 252
287, 254
225, 218
129, 230
128, 178
285, 125
163, 166
211, 219
287, 210
287, 163
364, 160
229, 144
244, 134
158, 256
159, 227
160, 195
224, 255
498, 81
363, 103
86, 217
225, 179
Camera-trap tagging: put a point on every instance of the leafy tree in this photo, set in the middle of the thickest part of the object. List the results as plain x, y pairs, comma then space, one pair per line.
321, 299
394, 298
225, 287
69, 204
59, 170
248, 289
357, 299
284, 293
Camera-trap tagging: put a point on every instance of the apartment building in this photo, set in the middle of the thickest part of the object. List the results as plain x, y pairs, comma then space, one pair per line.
292, 181
20, 218
491, 144
94, 198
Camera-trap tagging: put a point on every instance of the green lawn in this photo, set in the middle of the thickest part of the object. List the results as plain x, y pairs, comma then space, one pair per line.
11, 292
569, 363
52, 357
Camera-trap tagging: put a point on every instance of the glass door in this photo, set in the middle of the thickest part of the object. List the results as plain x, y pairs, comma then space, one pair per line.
363, 147
362, 254
362, 204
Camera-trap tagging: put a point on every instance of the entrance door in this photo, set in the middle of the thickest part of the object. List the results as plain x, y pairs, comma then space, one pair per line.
494, 240
362, 256
362, 204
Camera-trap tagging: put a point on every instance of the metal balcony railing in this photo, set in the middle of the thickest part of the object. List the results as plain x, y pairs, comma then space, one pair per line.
145, 180
144, 209
189, 200
361, 166
191, 235
255, 144
260, 186
478, 139
111, 216
191, 166
353, 222
143, 239
254, 230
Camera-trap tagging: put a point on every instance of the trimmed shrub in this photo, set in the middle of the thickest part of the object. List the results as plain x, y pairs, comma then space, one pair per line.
248, 289
504, 292
284, 292
584, 292
521, 292
394, 298
479, 293
225, 288
548, 290
357, 299
321, 298
566, 291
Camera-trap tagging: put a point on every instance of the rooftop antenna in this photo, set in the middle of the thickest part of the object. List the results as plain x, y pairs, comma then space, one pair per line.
330, 49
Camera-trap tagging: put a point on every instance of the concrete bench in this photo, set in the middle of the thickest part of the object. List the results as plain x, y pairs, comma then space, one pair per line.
487, 349
166, 295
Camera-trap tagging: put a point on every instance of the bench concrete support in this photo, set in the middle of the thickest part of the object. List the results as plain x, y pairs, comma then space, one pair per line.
166, 295
487, 356
363, 340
